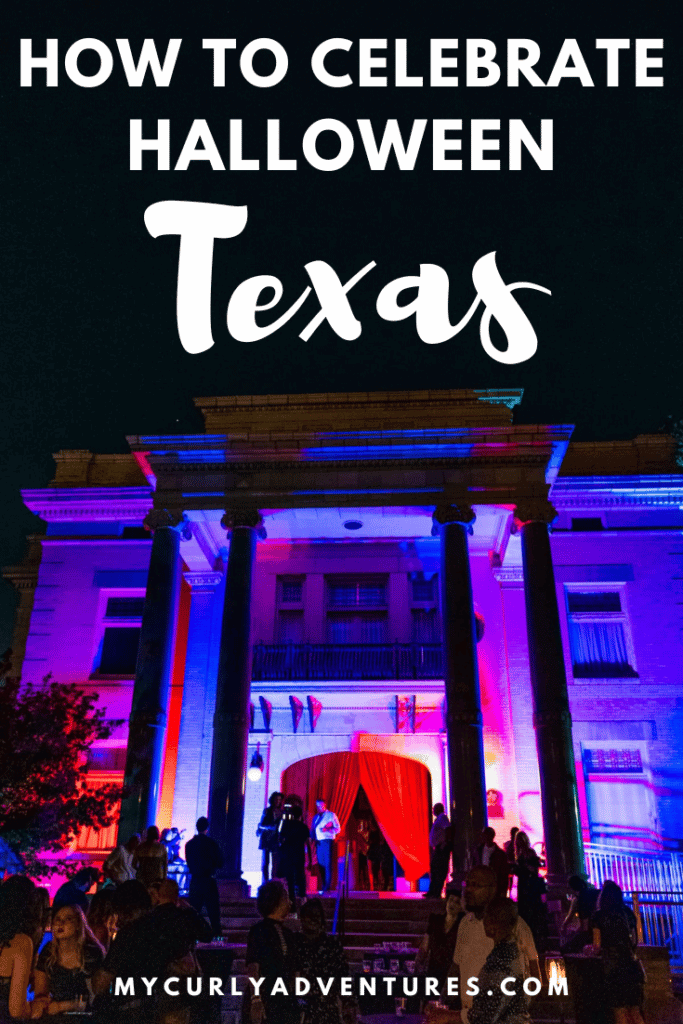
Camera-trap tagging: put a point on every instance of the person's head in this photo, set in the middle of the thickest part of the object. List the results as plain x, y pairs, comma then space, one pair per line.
488, 836
69, 927
312, 915
133, 842
500, 918
68, 922
513, 832
164, 835
611, 898
101, 909
522, 844
453, 900
202, 825
437, 809
576, 883
86, 878
168, 891
296, 812
17, 908
131, 901
272, 900
153, 890
480, 888
275, 800
320, 806
152, 835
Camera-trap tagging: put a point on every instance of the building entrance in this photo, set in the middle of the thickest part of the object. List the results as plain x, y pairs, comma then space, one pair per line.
383, 805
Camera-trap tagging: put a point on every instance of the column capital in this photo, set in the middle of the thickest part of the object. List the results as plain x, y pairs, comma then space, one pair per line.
534, 510
445, 514
234, 518
203, 580
160, 518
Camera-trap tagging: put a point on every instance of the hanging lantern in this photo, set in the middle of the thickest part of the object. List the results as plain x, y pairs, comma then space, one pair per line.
255, 770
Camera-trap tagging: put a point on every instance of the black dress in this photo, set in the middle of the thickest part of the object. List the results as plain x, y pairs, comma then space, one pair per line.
271, 946
322, 959
67, 984
624, 979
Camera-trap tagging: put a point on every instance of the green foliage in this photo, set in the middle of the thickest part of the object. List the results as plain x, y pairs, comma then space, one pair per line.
45, 736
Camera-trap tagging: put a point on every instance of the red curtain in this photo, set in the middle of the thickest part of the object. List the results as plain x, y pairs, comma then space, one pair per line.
333, 778
397, 788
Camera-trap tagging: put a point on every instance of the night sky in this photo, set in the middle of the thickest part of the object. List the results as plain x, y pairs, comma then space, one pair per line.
89, 346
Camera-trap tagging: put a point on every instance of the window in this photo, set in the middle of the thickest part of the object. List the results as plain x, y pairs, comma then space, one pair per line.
290, 627
119, 634
620, 797
119, 650
124, 607
424, 591
290, 589
359, 592
599, 639
425, 626
366, 628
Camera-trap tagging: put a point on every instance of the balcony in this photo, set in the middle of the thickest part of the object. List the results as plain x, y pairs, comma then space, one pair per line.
274, 662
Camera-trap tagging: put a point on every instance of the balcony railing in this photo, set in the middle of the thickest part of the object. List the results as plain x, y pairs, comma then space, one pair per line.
347, 661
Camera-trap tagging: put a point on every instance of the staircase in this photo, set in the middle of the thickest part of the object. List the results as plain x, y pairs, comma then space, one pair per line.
369, 922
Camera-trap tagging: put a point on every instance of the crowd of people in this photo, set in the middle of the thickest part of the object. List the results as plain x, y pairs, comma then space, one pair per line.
62, 959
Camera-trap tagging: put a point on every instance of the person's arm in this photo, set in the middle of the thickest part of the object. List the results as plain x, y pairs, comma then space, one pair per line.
597, 938
422, 954
256, 1010
41, 987
19, 1006
101, 981
570, 913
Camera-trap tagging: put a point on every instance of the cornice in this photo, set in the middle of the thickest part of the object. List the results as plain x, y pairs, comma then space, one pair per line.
656, 490
93, 504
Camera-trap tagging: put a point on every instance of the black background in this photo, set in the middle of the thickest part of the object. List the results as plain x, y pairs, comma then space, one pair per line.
89, 344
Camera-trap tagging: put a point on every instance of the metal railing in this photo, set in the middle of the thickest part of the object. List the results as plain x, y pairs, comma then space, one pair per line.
339, 917
659, 921
653, 884
635, 871
347, 661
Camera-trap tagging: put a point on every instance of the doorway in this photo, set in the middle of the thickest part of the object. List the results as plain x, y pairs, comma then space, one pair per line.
388, 790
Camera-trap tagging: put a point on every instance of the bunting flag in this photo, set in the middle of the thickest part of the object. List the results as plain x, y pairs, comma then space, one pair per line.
314, 709
297, 711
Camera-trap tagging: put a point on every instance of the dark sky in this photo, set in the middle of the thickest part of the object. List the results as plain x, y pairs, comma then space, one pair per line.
89, 347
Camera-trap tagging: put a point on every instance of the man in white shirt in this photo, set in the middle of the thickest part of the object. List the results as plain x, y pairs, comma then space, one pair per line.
473, 945
119, 864
325, 828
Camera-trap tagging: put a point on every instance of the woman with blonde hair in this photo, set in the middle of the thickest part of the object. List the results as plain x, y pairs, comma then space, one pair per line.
66, 964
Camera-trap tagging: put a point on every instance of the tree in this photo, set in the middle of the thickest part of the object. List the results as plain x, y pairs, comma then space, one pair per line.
45, 801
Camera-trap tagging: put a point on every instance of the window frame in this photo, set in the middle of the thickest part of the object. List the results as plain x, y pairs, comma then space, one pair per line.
102, 623
597, 617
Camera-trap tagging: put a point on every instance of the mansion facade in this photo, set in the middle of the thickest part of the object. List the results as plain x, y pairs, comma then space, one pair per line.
384, 600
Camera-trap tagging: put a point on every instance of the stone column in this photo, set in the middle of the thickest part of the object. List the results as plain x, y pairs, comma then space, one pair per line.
199, 695
231, 719
147, 723
461, 678
552, 720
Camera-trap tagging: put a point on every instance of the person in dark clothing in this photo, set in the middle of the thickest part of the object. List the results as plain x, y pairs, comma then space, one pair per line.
435, 955
439, 852
72, 893
204, 857
270, 956
583, 906
492, 856
268, 835
615, 941
295, 840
